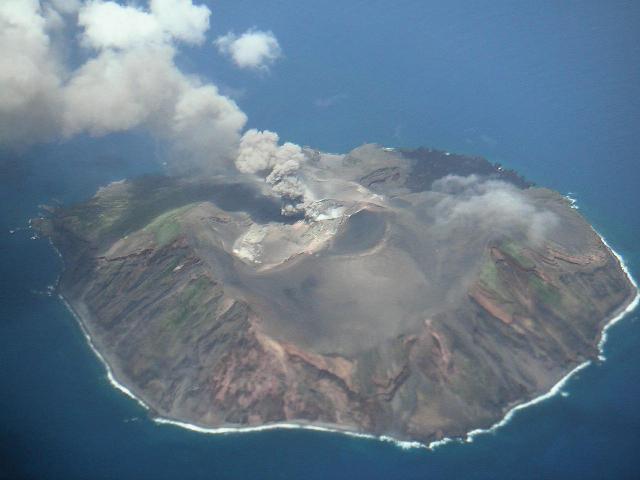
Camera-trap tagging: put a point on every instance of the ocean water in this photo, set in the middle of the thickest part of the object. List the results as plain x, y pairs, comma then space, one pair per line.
549, 88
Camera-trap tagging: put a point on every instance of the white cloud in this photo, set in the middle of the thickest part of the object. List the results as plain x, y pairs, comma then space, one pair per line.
206, 124
111, 25
119, 90
253, 49
326, 102
108, 24
66, 6
131, 79
182, 20
30, 74
491, 205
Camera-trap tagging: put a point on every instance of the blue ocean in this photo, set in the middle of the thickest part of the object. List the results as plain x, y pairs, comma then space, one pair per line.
551, 89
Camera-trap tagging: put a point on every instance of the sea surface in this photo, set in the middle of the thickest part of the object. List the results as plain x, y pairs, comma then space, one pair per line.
551, 89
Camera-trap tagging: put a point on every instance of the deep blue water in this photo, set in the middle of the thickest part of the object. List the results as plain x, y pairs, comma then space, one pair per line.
549, 88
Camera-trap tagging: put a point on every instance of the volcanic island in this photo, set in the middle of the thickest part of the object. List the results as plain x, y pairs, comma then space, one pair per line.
414, 294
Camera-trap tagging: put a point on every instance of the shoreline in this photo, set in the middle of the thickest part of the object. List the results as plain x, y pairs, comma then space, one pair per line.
112, 379
221, 430
557, 387
404, 444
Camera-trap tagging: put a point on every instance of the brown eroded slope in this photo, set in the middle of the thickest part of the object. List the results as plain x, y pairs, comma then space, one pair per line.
418, 317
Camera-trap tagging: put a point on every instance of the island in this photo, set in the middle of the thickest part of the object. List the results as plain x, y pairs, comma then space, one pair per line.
413, 294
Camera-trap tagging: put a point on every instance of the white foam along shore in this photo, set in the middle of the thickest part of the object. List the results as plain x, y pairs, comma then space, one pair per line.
112, 379
284, 426
556, 389
219, 430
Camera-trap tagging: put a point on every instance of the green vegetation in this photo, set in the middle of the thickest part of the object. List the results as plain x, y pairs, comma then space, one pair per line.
475, 380
121, 209
95, 218
173, 263
190, 303
546, 292
489, 276
515, 251
166, 227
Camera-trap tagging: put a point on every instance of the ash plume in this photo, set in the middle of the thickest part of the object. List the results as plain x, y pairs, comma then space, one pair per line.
279, 166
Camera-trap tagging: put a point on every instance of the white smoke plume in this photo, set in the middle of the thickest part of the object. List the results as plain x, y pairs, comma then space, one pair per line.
129, 80
279, 165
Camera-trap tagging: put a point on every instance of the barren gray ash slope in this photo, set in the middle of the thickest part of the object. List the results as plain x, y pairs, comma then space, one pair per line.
423, 295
